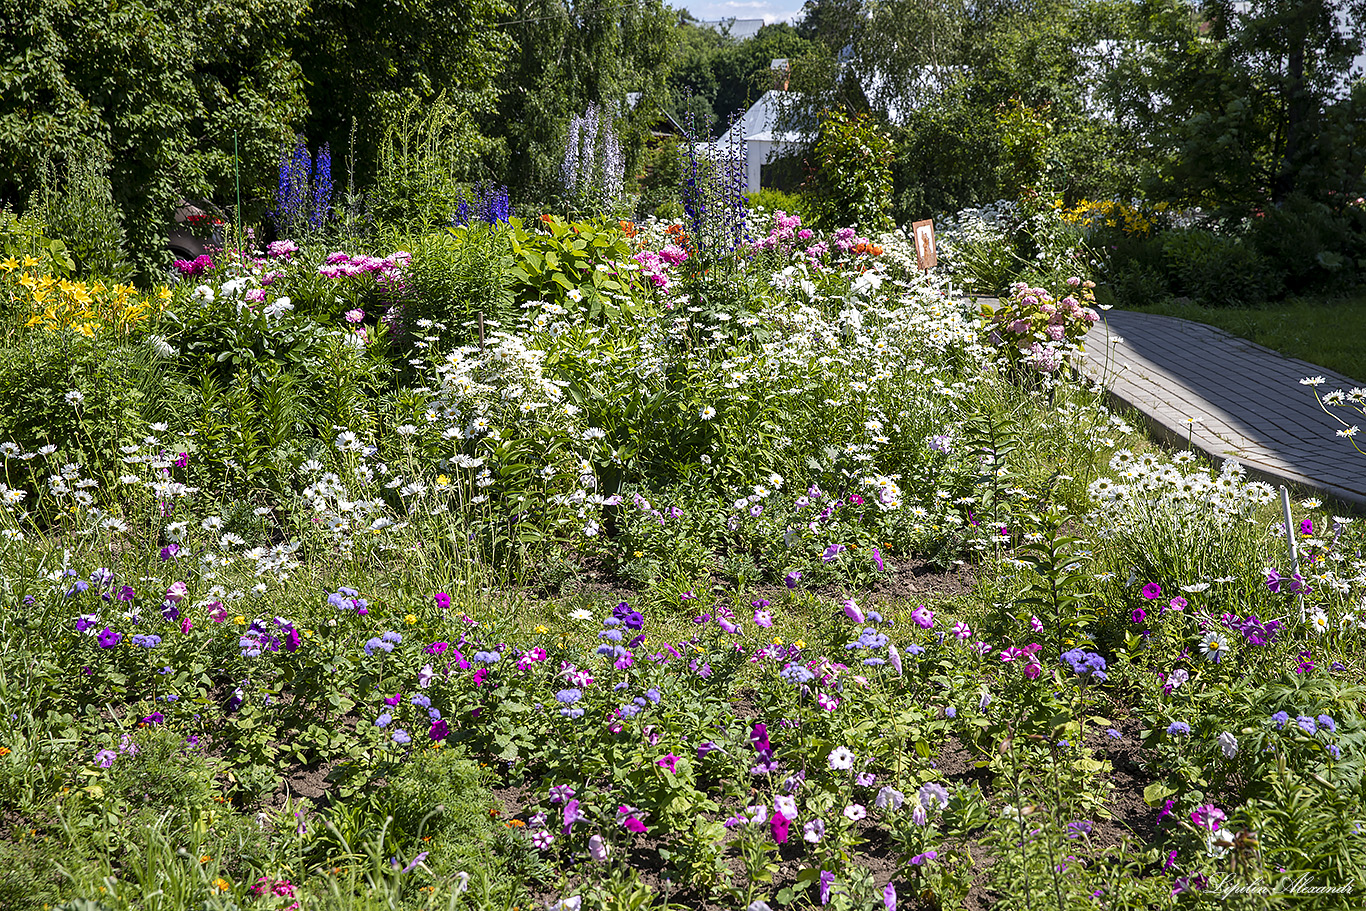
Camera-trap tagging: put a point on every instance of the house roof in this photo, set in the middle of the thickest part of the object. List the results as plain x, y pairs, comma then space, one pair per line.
759, 123
739, 29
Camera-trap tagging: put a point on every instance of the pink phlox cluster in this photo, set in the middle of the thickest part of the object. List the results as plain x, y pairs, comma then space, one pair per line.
653, 268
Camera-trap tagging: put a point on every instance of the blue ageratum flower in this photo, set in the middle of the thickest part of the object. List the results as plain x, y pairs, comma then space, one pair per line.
1085, 664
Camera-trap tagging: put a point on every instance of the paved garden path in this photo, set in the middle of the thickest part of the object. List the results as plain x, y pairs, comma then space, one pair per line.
1245, 401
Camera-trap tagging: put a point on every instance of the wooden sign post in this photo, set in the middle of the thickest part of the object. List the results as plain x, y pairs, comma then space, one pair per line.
926, 257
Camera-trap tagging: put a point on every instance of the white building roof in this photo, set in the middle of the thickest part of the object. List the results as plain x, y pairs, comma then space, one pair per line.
760, 122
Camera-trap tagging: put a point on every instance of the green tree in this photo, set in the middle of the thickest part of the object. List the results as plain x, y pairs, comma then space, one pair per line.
1244, 108
160, 89
570, 54
368, 63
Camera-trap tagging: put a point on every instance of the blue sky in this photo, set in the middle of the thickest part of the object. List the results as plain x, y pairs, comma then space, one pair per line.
767, 10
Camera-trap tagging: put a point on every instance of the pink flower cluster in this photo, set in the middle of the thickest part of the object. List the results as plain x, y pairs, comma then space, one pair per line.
847, 239
1031, 326
194, 267
653, 266
388, 271
786, 229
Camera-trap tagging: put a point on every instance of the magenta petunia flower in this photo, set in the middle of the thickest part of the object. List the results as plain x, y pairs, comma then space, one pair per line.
1152, 591
670, 762
778, 824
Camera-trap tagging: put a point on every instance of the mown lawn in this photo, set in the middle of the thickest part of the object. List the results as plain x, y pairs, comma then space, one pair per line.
1330, 332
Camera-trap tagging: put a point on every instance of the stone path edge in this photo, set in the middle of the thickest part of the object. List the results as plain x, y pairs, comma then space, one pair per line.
1176, 438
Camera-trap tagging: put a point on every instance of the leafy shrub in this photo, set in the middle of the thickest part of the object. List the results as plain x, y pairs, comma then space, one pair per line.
77, 205
455, 275
660, 176
853, 178
428, 154
1024, 136
1134, 271
1218, 269
559, 261
771, 200
945, 159
1307, 241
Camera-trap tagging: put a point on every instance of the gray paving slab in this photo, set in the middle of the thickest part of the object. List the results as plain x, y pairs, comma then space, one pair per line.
1247, 399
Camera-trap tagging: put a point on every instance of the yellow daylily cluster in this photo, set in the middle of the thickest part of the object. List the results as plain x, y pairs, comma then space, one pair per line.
86, 309
1112, 213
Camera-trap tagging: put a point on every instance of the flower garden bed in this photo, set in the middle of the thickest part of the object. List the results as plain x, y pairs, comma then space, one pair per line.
580, 565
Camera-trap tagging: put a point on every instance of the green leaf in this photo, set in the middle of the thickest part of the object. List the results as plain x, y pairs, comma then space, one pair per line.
1157, 792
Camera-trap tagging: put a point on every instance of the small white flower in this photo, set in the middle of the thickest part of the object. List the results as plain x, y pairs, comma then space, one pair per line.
75, 397
841, 759
1313, 381
708, 413
1229, 744
278, 308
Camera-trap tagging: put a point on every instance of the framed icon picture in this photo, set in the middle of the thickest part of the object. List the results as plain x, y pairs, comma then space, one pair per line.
925, 255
